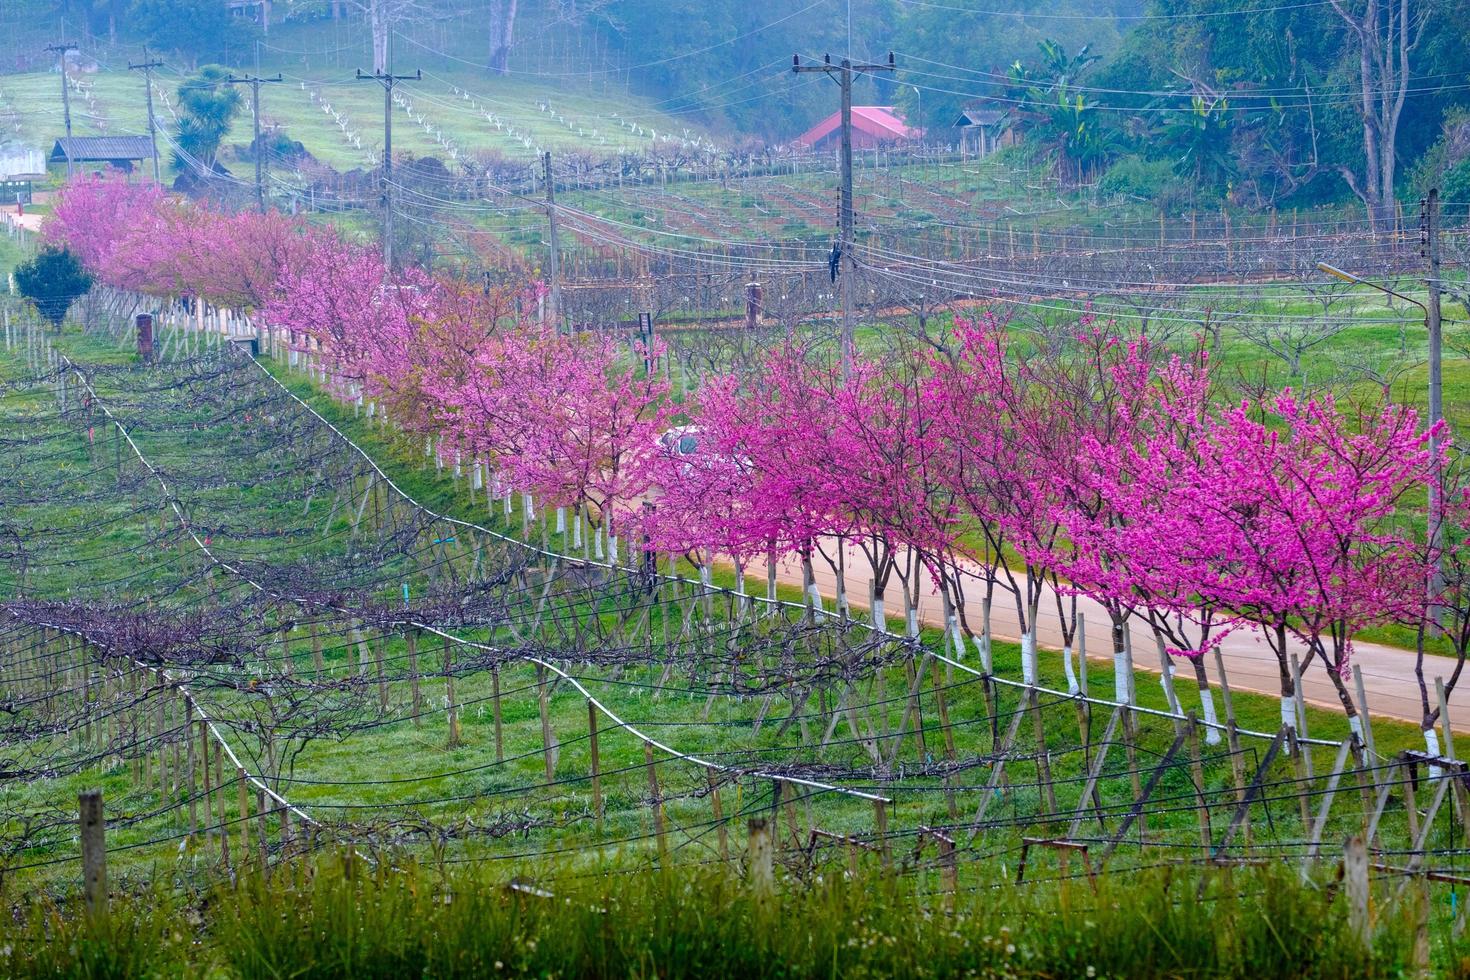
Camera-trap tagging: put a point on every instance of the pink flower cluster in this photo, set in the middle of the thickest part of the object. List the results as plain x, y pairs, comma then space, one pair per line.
1095, 467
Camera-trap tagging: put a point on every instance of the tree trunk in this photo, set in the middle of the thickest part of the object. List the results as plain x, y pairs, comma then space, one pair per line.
1386, 33
378, 16
502, 34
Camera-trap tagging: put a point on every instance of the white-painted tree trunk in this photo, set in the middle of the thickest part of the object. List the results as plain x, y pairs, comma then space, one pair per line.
1431, 745
1072, 686
561, 520
1212, 720
597, 544
1288, 711
982, 642
1028, 658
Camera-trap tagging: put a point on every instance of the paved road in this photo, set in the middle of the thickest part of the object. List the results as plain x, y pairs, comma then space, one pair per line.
1388, 672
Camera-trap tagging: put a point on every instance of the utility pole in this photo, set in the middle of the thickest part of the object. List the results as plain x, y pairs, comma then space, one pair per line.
842, 73
553, 266
1429, 249
61, 49
254, 81
147, 69
387, 79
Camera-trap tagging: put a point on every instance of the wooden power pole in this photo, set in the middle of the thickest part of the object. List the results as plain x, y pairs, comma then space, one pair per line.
254, 81
1430, 252
147, 69
553, 266
387, 79
843, 73
61, 48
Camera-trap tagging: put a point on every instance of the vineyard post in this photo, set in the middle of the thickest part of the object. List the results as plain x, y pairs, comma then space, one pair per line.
261, 842
94, 852
720, 829
658, 804
243, 782
495, 712
452, 710
208, 786
411, 638
596, 764
759, 869
546, 748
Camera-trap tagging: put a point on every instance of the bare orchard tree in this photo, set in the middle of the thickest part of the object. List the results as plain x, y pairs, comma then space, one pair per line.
920, 309
1290, 336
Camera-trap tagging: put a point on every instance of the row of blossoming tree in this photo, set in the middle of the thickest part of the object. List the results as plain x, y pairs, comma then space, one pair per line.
991, 468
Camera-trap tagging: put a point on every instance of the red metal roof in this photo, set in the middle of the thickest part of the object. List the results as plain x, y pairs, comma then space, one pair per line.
877, 121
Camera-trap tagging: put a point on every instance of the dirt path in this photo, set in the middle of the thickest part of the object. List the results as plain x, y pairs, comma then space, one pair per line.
1388, 672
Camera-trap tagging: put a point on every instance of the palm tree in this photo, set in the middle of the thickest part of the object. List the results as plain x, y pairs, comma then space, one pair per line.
207, 107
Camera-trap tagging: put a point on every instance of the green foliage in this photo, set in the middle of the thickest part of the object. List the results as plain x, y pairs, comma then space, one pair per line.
192, 30
1446, 164
348, 918
52, 280
971, 51
1200, 143
1056, 116
1152, 180
207, 108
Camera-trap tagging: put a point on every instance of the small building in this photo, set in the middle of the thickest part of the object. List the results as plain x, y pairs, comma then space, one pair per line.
19, 167
121, 152
983, 130
872, 126
258, 11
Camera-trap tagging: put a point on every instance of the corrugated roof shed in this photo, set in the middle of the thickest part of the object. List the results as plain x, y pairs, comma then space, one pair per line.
100, 149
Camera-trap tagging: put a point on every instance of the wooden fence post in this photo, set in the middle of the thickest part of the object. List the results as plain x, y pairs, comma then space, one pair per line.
316, 649
495, 711
720, 829
94, 851
880, 815
411, 638
208, 786
378, 652
596, 764
244, 784
658, 803
759, 871
260, 831
453, 710
1355, 875
541, 696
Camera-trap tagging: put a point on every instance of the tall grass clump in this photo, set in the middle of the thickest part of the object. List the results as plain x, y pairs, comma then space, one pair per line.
347, 918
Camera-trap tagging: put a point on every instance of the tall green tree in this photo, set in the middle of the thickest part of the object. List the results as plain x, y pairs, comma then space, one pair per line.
191, 31
52, 280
